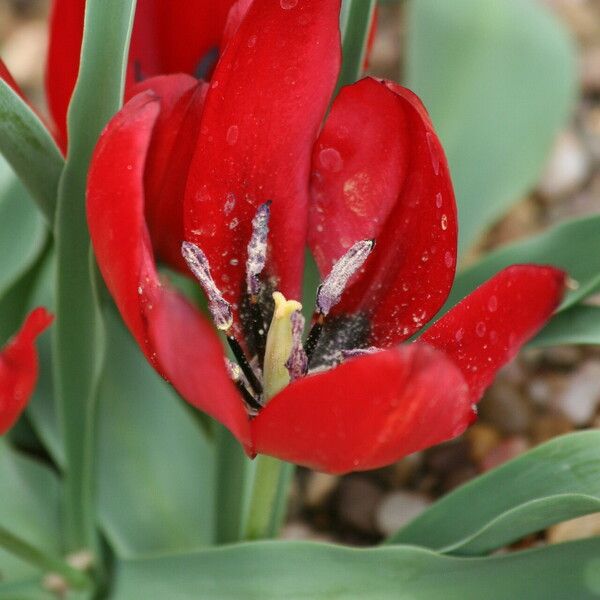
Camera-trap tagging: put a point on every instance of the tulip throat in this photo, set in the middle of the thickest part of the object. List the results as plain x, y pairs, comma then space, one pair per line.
273, 354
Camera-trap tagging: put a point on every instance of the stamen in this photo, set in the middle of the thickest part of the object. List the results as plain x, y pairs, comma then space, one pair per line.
333, 286
313, 337
219, 308
356, 352
257, 249
297, 363
248, 371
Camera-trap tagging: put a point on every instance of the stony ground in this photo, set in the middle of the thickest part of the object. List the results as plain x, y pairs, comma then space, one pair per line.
540, 395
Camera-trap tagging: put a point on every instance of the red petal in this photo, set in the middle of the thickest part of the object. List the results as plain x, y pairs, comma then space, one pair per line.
165, 326
173, 141
19, 368
368, 412
267, 99
163, 41
379, 171
6, 76
64, 47
488, 327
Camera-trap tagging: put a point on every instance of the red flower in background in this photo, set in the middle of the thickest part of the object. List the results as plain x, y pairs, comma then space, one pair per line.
165, 39
243, 172
19, 368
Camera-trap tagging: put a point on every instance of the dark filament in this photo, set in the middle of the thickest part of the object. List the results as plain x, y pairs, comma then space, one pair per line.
244, 365
313, 337
249, 399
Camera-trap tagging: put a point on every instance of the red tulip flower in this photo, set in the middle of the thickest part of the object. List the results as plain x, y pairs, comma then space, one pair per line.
239, 175
164, 40
19, 368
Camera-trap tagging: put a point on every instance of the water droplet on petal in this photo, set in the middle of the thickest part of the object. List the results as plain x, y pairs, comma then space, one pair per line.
287, 4
433, 152
439, 200
459, 334
331, 160
251, 41
448, 259
444, 222
232, 135
493, 304
480, 329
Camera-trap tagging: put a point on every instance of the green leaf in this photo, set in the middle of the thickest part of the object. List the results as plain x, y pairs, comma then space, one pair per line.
77, 348
499, 80
274, 570
30, 508
356, 18
156, 467
29, 148
577, 325
554, 482
17, 214
573, 246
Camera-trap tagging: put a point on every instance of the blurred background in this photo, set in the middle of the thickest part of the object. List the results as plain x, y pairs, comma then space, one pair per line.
514, 90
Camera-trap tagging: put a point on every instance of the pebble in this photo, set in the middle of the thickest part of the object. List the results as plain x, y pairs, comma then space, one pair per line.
397, 509
357, 502
581, 396
483, 438
319, 487
575, 529
505, 407
543, 389
567, 168
298, 530
505, 451
546, 427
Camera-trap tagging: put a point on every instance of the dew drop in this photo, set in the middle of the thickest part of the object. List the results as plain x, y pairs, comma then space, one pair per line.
234, 223
319, 228
287, 4
480, 329
140, 290
229, 203
252, 41
331, 160
444, 222
234, 262
448, 259
232, 135
433, 152
493, 304
424, 257
439, 200
459, 334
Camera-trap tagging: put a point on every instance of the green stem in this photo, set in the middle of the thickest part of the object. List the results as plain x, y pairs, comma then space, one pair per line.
355, 23
268, 498
75, 579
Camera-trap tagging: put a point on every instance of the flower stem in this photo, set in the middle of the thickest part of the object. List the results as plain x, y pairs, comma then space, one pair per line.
268, 498
74, 579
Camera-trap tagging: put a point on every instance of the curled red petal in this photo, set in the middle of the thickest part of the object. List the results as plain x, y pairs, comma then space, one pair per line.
164, 40
368, 412
174, 138
268, 96
19, 368
488, 327
379, 171
166, 327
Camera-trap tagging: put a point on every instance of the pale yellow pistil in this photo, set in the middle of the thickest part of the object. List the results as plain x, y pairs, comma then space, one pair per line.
279, 345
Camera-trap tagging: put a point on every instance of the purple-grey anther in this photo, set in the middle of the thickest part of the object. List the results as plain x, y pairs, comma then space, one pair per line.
297, 363
219, 308
333, 286
257, 248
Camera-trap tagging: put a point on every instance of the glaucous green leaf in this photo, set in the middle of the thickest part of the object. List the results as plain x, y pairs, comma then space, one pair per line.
29, 148
573, 246
499, 80
77, 331
561, 478
156, 467
294, 570
579, 324
29, 508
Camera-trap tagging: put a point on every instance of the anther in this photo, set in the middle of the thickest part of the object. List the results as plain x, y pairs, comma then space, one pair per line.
297, 363
333, 286
219, 308
257, 249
